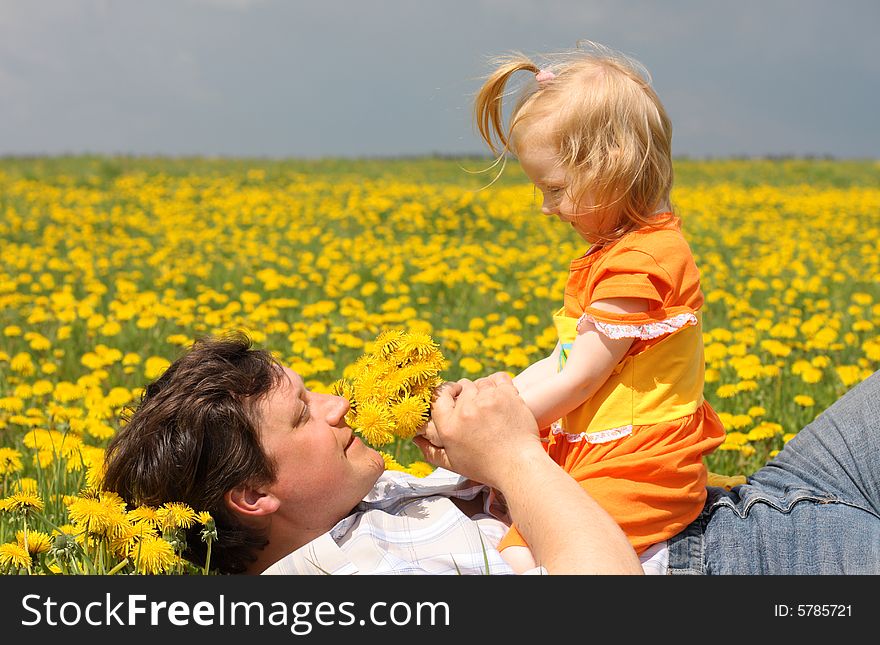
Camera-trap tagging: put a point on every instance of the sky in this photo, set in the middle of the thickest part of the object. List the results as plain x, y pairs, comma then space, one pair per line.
370, 78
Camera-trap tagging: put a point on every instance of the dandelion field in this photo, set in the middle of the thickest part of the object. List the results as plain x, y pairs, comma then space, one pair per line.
111, 266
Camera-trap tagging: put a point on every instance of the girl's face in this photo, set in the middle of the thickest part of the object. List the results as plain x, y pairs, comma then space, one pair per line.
541, 164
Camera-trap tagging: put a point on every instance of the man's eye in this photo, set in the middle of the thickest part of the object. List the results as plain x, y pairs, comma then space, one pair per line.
303, 416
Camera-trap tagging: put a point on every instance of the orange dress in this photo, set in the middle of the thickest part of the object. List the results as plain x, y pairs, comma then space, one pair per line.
637, 445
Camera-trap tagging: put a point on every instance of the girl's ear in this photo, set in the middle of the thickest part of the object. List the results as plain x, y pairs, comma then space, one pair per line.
251, 502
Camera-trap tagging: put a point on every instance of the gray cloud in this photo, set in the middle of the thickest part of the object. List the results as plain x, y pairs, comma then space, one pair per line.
307, 79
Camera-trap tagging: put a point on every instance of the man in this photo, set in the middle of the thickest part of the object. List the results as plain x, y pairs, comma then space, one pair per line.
228, 430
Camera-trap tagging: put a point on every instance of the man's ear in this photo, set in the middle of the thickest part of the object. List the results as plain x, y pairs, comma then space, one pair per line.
251, 502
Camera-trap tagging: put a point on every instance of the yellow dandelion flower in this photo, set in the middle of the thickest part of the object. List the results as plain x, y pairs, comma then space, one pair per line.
27, 484
417, 344
23, 364
726, 391
849, 374
761, 433
342, 387
740, 421
153, 555
756, 411
204, 518
10, 461
872, 349
98, 516
13, 554
175, 515
65, 392
736, 438
726, 420
42, 387
37, 541
374, 423
24, 501
126, 537
99, 430
420, 469
410, 413
118, 397
775, 347
145, 515
397, 381
92, 458
804, 400
38, 342
23, 391
417, 373
179, 339
387, 342
154, 366
769, 426
390, 462
470, 365
788, 436
11, 404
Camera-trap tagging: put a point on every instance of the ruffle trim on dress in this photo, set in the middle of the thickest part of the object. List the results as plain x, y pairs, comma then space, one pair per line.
603, 436
645, 331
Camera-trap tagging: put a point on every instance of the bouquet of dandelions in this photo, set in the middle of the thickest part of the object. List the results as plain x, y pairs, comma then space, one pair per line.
390, 388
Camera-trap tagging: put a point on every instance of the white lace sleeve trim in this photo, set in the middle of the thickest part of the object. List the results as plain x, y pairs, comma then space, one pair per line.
646, 331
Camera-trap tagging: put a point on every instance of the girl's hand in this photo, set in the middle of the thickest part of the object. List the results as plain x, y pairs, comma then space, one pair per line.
481, 430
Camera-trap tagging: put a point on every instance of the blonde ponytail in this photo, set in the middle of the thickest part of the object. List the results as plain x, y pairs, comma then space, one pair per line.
488, 104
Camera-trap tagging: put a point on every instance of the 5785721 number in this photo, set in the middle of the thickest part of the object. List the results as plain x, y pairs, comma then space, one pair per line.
809, 610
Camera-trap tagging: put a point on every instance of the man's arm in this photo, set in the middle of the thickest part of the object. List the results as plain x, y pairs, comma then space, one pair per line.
489, 435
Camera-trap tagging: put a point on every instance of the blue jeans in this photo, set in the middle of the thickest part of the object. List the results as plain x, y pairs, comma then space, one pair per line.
814, 509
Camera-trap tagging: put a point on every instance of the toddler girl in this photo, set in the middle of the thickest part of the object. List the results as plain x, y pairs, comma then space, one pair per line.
620, 399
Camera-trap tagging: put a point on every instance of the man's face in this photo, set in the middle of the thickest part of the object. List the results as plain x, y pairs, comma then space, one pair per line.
322, 469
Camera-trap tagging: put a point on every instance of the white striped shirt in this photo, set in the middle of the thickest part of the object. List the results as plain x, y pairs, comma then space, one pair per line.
409, 525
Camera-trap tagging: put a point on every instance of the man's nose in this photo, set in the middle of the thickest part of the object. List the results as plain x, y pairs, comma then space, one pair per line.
337, 408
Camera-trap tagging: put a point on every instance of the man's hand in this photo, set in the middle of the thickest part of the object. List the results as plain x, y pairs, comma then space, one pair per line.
450, 388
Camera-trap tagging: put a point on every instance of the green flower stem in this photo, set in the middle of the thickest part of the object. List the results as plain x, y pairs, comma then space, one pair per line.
118, 567
207, 558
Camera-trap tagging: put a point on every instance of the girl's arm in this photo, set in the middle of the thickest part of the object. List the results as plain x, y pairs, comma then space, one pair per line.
591, 360
538, 371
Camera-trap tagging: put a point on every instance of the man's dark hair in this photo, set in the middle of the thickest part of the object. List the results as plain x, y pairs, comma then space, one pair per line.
193, 437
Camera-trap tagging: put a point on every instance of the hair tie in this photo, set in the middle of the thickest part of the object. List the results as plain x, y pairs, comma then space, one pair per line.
544, 75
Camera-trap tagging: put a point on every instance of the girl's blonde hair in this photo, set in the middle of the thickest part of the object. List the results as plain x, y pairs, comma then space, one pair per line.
599, 110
